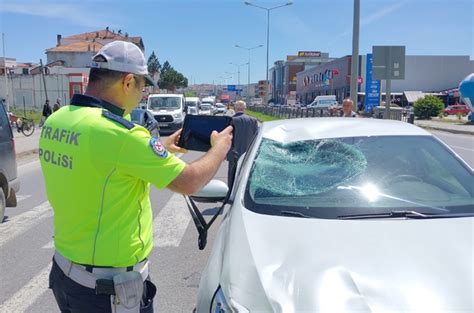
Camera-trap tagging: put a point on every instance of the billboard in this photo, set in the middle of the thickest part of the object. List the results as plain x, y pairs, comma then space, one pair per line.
306, 54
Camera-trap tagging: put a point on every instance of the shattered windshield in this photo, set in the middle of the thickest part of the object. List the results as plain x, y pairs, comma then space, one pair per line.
330, 177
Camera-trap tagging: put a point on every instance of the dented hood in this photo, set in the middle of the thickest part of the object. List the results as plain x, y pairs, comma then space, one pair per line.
289, 264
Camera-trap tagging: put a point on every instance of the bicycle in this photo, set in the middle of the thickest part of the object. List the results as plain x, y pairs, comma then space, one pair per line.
22, 124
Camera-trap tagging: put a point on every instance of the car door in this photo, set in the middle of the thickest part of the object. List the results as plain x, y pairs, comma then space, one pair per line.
7, 153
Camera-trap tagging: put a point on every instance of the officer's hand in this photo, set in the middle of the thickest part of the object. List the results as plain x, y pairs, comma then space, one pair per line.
171, 143
222, 140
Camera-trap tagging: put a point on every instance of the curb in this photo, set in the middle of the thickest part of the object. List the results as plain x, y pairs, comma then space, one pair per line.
447, 130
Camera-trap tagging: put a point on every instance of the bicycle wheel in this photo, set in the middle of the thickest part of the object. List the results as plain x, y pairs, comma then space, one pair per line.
28, 128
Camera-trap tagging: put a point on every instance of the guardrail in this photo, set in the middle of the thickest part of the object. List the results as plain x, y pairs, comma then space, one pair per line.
399, 114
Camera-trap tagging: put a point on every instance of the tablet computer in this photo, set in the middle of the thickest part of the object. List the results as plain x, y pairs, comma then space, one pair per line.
197, 130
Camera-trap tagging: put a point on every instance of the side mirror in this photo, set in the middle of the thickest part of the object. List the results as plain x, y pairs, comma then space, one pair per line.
214, 191
151, 125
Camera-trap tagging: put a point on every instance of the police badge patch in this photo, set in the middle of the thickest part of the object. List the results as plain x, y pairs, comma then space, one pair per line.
158, 147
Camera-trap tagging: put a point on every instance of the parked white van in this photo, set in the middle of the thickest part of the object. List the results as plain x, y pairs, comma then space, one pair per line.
168, 110
323, 102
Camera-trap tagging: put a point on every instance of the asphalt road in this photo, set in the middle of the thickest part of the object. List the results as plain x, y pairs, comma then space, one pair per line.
26, 248
176, 262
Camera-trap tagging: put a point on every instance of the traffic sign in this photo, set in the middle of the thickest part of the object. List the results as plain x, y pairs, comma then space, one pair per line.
388, 62
231, 87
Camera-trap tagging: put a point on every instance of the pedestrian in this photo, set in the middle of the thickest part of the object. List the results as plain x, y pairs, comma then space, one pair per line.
57, 105
347, 105
47, 111
245, 129
98, 167
230, 110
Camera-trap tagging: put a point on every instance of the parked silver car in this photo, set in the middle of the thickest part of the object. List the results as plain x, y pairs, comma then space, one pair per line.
9, 182
344, 215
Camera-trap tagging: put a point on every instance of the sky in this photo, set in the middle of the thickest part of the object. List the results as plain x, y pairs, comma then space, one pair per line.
198, 38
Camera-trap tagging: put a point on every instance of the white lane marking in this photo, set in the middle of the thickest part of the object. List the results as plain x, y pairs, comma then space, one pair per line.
27, 294
170, 224
21, 223
462, 148
49, 245
28, 167
442, 133
20, 198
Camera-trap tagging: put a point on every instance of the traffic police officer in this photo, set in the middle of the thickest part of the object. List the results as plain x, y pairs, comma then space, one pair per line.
98, 167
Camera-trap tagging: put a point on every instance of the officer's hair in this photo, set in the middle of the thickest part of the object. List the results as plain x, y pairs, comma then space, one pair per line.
104, 77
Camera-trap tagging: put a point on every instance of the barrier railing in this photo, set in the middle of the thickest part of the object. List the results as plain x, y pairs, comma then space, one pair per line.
399, 114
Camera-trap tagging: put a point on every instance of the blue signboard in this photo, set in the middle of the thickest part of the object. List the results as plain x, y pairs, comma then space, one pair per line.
231, 88
372, 88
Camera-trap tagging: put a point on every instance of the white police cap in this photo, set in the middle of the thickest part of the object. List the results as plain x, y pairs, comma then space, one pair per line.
122, 56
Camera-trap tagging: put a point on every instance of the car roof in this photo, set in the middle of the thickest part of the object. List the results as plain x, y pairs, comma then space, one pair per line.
165, 95
336, 127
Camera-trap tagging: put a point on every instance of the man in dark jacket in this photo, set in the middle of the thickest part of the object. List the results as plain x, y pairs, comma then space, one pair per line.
57, 105
245, 129
47, 111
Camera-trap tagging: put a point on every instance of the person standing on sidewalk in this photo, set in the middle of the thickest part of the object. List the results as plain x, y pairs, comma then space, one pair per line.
57, 105
47, 110
245, 129
98, 167
347, 105
46, 113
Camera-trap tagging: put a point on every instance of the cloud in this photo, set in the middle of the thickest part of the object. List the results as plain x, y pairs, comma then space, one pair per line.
71, 12
367, 20
382, 12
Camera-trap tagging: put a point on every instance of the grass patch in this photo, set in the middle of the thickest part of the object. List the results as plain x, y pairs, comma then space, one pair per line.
451, 121
262, 117
30, 114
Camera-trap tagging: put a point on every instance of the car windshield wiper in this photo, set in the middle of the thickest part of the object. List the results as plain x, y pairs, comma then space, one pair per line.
391, 214
294, 214
404, 213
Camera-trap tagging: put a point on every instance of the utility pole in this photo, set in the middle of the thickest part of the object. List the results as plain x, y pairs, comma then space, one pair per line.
44, 80
5, 71
355, 54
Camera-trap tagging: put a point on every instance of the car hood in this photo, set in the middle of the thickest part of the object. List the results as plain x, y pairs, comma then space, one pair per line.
289, 264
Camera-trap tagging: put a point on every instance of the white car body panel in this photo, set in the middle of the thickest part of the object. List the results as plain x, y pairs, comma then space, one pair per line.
271, 263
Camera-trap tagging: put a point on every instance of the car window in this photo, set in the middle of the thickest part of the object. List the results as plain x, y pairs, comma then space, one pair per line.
5, 131
331, 177
136, 116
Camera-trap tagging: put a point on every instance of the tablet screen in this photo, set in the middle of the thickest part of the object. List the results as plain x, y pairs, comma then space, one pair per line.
197, 129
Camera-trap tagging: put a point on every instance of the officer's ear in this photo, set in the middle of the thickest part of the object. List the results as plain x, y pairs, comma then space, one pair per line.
128, 83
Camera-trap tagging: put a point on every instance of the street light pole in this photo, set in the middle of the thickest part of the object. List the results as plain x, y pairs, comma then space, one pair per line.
248, 70
355, 55
238, 73
268, 34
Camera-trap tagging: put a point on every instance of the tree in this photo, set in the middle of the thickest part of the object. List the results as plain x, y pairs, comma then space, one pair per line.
427, 107
171, 79
166, 66
154, 66
190, 93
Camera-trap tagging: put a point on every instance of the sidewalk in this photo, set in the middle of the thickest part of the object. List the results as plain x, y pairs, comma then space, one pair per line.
26, 146
446, 127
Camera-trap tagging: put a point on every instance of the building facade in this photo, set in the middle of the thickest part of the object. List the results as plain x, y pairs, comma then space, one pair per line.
428, 74
283, 75
77, 50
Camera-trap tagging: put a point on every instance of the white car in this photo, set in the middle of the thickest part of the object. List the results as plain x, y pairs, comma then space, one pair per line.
343, 215
220, 108
205, 109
